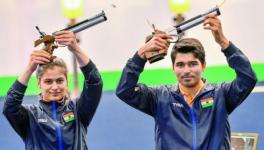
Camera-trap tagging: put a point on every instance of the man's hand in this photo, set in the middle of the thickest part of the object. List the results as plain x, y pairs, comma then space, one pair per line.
214, 24
159, 42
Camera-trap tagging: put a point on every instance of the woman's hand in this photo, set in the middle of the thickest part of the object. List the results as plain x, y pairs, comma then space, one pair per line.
68, 39
38, 57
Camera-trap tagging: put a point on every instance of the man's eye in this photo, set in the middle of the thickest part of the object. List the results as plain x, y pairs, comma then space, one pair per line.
180, 65
192, 64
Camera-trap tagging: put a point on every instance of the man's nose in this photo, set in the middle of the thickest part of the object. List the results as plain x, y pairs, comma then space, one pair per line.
186, 69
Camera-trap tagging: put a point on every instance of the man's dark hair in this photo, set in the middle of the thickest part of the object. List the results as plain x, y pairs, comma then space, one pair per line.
188, 45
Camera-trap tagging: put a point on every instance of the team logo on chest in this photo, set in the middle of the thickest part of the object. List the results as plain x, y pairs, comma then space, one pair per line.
207, 102
42, 120
179, 105
68, 117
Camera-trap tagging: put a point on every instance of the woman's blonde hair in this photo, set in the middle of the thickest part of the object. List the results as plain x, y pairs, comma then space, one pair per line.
57, 62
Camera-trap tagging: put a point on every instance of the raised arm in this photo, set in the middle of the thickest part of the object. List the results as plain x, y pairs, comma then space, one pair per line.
92, 89
15, 113
136, 95
238, 90
91, 94
245, 80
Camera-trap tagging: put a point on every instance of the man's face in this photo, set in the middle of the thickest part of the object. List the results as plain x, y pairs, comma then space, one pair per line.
188, 69
53, 84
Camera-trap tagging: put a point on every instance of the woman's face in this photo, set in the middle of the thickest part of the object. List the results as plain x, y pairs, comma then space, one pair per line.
53, 84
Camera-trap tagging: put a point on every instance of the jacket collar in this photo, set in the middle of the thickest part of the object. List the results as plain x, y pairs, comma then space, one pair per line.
47, 106
207, 87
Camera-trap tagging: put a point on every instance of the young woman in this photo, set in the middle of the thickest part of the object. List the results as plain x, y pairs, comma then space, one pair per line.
56, 121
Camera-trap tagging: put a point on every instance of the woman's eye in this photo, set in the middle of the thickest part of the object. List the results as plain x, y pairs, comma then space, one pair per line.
60, 81
48, 81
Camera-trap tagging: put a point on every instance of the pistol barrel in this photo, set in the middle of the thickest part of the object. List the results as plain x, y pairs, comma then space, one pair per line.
86, 23
196, 20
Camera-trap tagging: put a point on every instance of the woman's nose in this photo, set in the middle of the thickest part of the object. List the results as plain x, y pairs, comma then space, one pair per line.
54, 85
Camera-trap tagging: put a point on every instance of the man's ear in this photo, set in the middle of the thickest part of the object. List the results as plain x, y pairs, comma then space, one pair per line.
172, 67
204, 66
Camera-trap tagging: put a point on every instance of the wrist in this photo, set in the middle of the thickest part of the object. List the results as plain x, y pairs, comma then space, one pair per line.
30, 69
141, 54
25, 76
224, 44
74, 48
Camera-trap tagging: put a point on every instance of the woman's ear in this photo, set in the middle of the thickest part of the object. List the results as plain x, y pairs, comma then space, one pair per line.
39, 83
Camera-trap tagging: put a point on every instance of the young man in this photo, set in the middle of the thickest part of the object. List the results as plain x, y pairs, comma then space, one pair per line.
56, 122
193, 114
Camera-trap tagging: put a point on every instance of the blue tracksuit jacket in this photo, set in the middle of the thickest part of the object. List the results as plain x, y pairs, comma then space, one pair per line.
43, 126
179, 127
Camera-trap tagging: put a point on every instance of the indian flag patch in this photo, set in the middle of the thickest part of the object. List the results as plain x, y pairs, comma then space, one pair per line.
68, 117
207, 102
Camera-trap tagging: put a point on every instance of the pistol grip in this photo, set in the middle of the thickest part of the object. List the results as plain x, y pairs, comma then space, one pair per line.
154, 56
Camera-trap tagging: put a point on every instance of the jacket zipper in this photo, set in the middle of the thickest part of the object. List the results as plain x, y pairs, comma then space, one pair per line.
193, 118
58, 129
194, 125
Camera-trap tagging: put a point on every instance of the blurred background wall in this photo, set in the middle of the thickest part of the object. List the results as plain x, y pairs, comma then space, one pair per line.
116, 126
111, 43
